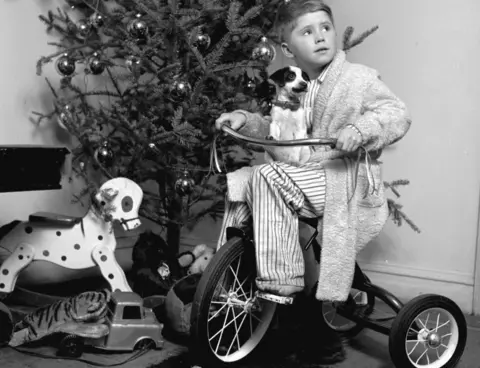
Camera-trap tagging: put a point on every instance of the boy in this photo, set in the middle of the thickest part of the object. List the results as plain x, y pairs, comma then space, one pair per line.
345, 101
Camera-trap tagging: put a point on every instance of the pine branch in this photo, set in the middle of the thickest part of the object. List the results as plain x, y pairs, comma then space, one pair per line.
357, 41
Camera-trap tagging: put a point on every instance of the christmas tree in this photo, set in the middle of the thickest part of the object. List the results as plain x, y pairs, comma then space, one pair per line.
168, 69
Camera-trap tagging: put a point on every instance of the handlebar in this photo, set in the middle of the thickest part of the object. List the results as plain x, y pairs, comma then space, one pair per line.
287, 143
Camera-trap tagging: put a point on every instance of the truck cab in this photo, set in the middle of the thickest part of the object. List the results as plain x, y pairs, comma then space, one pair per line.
131, 325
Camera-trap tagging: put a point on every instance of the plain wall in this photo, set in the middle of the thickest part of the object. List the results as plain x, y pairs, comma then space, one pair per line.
427, 52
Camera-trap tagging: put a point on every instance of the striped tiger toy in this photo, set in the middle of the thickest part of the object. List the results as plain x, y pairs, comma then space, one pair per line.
87, 307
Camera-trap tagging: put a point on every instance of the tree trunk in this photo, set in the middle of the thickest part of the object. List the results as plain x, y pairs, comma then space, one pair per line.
175, 213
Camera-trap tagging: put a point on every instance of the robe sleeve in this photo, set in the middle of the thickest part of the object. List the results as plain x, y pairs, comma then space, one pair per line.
384, 118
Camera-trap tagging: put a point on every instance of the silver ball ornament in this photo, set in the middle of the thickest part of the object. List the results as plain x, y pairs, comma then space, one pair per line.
185, 184
65, 115
96, 65
105, 155
84, 28
65, 65
201, 42
264, 51
180, 90
97, 20
137, 28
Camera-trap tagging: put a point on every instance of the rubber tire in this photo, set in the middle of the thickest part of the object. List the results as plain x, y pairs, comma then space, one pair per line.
407, 315
6, 325
359, 327
200, 348
71, 346
144, 343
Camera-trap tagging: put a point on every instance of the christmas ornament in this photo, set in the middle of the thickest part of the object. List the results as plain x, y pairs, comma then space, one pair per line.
134, 64
201, 41
137, 28
97, 20
96, 65
185, 184
83, 28
180, 90
105, 155
264, 51
81, 165
65, 115
250, 85
65, 65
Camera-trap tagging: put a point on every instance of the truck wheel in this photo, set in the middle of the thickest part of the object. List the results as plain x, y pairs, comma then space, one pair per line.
144, 344
6, 325
71, 346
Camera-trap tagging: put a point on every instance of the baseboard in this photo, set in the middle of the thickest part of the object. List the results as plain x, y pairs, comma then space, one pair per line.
189, 241
406, 283
451, 277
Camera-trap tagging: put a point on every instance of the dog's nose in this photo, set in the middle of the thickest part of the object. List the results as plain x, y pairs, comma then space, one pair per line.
303, 85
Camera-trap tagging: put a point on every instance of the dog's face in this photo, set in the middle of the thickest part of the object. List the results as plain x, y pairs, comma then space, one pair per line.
290, 81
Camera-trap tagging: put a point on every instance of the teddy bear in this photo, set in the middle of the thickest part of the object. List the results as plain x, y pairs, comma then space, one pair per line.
203, 254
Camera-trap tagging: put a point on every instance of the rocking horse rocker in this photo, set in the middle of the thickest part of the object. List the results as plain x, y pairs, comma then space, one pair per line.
75, 242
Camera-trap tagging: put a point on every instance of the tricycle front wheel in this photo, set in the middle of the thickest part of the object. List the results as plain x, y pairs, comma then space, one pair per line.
228, 321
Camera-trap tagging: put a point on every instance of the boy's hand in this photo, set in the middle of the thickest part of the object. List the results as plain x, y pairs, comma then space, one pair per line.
235, 120
349, 140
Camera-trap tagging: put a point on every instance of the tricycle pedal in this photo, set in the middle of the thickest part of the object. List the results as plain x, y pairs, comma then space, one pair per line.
286, 300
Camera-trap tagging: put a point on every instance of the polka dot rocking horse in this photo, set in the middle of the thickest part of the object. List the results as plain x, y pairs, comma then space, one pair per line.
76, 242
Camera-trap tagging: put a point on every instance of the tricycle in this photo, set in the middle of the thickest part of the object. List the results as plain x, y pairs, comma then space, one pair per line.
230, 316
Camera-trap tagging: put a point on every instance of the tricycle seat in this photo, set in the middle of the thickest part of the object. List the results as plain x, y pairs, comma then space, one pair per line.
54, 219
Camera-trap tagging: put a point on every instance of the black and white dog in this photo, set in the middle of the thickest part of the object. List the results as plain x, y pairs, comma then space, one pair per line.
288, 115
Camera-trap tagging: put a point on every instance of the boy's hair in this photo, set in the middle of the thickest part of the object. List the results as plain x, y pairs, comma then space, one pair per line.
290, 10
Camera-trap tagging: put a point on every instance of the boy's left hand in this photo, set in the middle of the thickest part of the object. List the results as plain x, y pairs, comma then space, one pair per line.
348, 140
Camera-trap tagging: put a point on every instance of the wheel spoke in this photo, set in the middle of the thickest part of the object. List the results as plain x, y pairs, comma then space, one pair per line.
241, 286
221, 331
218, 312
238, 281
446, 323
421, 322
228, 324
438, 356
411, 351
237, 333
421, 356
449, 334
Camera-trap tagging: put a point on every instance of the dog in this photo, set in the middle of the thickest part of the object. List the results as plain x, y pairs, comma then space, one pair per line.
288, 115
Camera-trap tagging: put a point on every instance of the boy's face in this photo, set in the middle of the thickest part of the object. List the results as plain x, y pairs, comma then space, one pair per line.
312, 42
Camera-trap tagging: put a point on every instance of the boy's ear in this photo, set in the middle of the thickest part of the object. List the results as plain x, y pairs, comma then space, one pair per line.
286, 51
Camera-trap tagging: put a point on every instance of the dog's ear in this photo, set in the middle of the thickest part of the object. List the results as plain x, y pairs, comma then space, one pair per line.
305, 76
279, 77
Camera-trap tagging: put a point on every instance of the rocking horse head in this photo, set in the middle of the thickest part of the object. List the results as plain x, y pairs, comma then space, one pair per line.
121, 199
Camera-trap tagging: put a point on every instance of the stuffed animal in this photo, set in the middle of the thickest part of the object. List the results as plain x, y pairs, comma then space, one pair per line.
156, 267
203, 255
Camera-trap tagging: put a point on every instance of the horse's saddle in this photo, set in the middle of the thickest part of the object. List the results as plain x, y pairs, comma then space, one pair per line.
54, 219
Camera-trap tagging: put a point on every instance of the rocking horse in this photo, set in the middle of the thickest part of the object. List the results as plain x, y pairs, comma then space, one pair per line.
76, 242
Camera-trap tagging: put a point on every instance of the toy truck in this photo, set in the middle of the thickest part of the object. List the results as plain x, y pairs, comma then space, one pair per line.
129, 326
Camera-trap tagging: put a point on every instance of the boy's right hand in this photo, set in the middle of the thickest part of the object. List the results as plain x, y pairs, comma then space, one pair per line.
234, 120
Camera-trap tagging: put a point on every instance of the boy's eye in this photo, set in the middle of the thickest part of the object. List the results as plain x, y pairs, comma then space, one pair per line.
306, 33
326, 28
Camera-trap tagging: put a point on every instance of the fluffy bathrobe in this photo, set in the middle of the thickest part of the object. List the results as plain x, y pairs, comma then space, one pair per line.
355, 212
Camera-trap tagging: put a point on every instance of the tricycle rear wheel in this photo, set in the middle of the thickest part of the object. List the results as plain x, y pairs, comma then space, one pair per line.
421, 337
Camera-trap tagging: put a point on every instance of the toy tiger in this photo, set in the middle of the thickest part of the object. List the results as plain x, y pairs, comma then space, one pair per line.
90, 306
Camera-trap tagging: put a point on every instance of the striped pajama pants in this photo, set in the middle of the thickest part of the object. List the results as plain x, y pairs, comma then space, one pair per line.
277, 196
